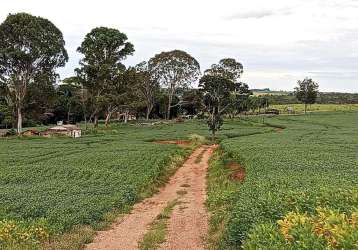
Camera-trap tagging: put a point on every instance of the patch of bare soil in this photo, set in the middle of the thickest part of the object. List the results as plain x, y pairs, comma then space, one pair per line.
278, 130
239, 172
176, 142
188, 224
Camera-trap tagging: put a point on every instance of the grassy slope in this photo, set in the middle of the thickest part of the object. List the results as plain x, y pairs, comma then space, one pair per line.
77, 181
313, 162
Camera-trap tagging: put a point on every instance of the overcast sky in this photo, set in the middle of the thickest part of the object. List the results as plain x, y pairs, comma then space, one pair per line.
277, 41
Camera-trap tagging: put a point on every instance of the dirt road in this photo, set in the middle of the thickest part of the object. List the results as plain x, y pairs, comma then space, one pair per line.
188, 224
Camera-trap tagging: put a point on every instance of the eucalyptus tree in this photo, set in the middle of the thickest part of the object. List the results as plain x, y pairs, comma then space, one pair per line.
146, 86
217, 92
222, 90
104, 49
31, 48
228, 68
174, 70
306, 91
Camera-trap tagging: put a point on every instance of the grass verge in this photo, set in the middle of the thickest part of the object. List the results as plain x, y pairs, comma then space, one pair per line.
220, 191
158, 229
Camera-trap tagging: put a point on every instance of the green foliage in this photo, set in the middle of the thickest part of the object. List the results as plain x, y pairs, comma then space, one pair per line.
31, 48
70, 182
228, 68
307, 91
220, 93
197, 139
158, 229
101, 71
299, 168
327, 229
174, 70
19, 234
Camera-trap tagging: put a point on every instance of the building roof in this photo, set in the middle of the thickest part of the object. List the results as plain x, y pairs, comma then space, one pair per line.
68, 127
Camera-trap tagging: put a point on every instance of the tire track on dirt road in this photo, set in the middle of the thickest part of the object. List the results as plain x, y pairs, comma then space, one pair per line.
188, 225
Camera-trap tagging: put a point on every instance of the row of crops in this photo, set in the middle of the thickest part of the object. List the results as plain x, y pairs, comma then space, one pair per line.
300, 190
50, 185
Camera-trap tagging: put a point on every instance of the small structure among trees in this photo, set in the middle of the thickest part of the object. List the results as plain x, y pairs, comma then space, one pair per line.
67, 130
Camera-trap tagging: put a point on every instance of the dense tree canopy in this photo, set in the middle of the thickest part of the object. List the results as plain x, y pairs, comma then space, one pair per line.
218, 94
228, 68
101, 69
31, 48
174, 70
222, 91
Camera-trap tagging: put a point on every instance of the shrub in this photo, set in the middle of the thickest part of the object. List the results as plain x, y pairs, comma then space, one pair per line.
197, 139
20, 235
326, 229
10, 132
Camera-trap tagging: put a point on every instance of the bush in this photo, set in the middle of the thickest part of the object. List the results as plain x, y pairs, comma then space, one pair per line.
197, 139
21, 235
327, 229
10, 132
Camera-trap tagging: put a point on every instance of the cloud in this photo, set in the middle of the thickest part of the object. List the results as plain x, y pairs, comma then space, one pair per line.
278, 41
251, 14
258, 14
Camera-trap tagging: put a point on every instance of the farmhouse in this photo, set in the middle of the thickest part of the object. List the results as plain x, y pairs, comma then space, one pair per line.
68, 130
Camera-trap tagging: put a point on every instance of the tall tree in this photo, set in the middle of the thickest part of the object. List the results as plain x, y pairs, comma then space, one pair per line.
146, 85
30, 47
101, 68
232, 70
217, 91
306, 92
174, 70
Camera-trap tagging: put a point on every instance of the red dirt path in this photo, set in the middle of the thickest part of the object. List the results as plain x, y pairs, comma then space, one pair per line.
188, 225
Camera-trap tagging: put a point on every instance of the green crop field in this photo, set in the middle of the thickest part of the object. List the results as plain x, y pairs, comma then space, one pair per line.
299, 180
299, 108
49, 185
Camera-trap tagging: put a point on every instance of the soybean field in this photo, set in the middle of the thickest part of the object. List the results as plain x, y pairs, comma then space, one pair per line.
300, 188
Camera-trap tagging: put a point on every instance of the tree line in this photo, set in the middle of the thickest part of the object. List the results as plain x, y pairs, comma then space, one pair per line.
32, 49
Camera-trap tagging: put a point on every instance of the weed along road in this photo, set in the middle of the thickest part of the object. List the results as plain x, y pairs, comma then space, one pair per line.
187, 222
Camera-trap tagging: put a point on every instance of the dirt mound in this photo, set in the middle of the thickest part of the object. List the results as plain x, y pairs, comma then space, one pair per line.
278, 130
239, 172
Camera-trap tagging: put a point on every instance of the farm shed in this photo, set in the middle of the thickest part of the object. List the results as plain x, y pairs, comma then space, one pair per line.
68, 130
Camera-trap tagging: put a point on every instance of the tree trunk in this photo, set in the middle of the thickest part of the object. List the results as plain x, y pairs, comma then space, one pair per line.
169, 106
68, 115
95, 122
305, 108
19, 120
212, 135
147, 114
108, 118
149, 110
85, 118
126, 116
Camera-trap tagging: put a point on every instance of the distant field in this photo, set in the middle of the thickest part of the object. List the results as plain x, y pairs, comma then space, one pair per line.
259, 93
299, 108
310, 167
53, 184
